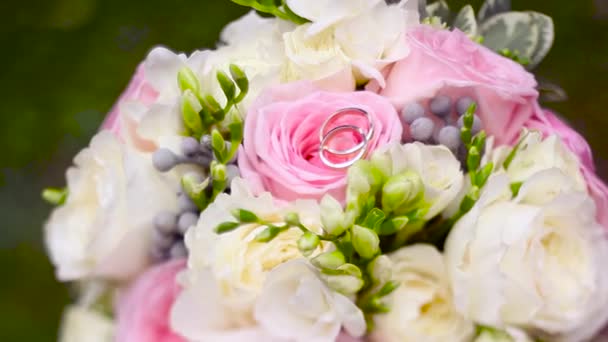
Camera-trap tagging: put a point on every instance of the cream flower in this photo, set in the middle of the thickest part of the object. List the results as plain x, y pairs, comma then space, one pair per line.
436, 165
529, 263
80, 324
102, 230
297, 305
347, 40
537, 154
234, 263
421, 308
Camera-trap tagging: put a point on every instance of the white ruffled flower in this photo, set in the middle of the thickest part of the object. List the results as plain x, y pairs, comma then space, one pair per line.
537, 154
103, 228
509, 335
533, 262
80, 324
436, 165
234, 263
297, 305
421, 308
347, 40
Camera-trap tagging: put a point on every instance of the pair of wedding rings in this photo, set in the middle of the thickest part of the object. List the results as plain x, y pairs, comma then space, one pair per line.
342, 158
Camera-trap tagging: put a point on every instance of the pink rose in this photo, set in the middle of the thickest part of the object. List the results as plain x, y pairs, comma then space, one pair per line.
443, 62
548, 124
138, 90
280, 153
143, 311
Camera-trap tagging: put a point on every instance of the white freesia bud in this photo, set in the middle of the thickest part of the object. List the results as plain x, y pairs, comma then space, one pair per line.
332, 216
421, 308
104, 227
401, 191
233, 265
437, 167
381, 269
365, 241
80, 324
297, 306
529, 265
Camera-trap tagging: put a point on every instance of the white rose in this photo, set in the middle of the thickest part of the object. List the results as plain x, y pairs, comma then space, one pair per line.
234, 262
80, 324
103, 228
297, 305
537, 154
533, 266
421, 308
436, 165
347, 41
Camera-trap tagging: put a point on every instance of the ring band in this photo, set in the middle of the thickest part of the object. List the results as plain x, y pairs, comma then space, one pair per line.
361, 150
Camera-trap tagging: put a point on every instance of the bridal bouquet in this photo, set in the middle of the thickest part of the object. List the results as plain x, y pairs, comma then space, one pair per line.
337, 170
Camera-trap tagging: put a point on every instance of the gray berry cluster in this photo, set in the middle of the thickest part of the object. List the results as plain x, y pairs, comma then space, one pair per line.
440, 123
170, 227
192, 152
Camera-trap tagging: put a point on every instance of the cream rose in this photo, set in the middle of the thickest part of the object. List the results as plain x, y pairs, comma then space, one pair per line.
80, 324
234, 263
533, 262
297, 305
347, 41
436, 165
421, 308
536, 154
102, 229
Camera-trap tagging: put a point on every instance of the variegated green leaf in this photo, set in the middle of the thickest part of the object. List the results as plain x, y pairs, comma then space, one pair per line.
491, 8
439, 9
546, 35
515, 31
465, 21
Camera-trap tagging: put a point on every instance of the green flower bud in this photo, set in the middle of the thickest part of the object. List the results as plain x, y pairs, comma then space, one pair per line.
332, 216
55, 196
383, 163
226, 227
292, 219
194, 185
268, 234
365, 241
343, 283
218, 172
187, 80
357, 177
402, 191
329, 260
227, 85
190, 112
245, 216
218, 144
380, 269
350, 269
239, 77
308, 243
473, 158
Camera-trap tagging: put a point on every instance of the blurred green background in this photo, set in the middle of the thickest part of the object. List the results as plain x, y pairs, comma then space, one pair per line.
64, 62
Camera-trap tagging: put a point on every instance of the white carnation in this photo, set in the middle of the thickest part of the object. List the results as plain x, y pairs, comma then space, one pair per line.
421, 308
533, 262
104, 227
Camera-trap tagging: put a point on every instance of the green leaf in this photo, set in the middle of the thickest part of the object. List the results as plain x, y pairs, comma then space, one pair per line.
465, 21
55, 196
546, 36
245, 216
492, 7
227, 85
439, 9
226, 227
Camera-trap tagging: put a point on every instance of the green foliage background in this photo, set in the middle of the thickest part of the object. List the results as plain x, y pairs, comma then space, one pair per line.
64, 62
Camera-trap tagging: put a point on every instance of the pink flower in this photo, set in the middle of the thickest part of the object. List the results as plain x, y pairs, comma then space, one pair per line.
143, 311
443, 62
281, 139
137, 90
548, 124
